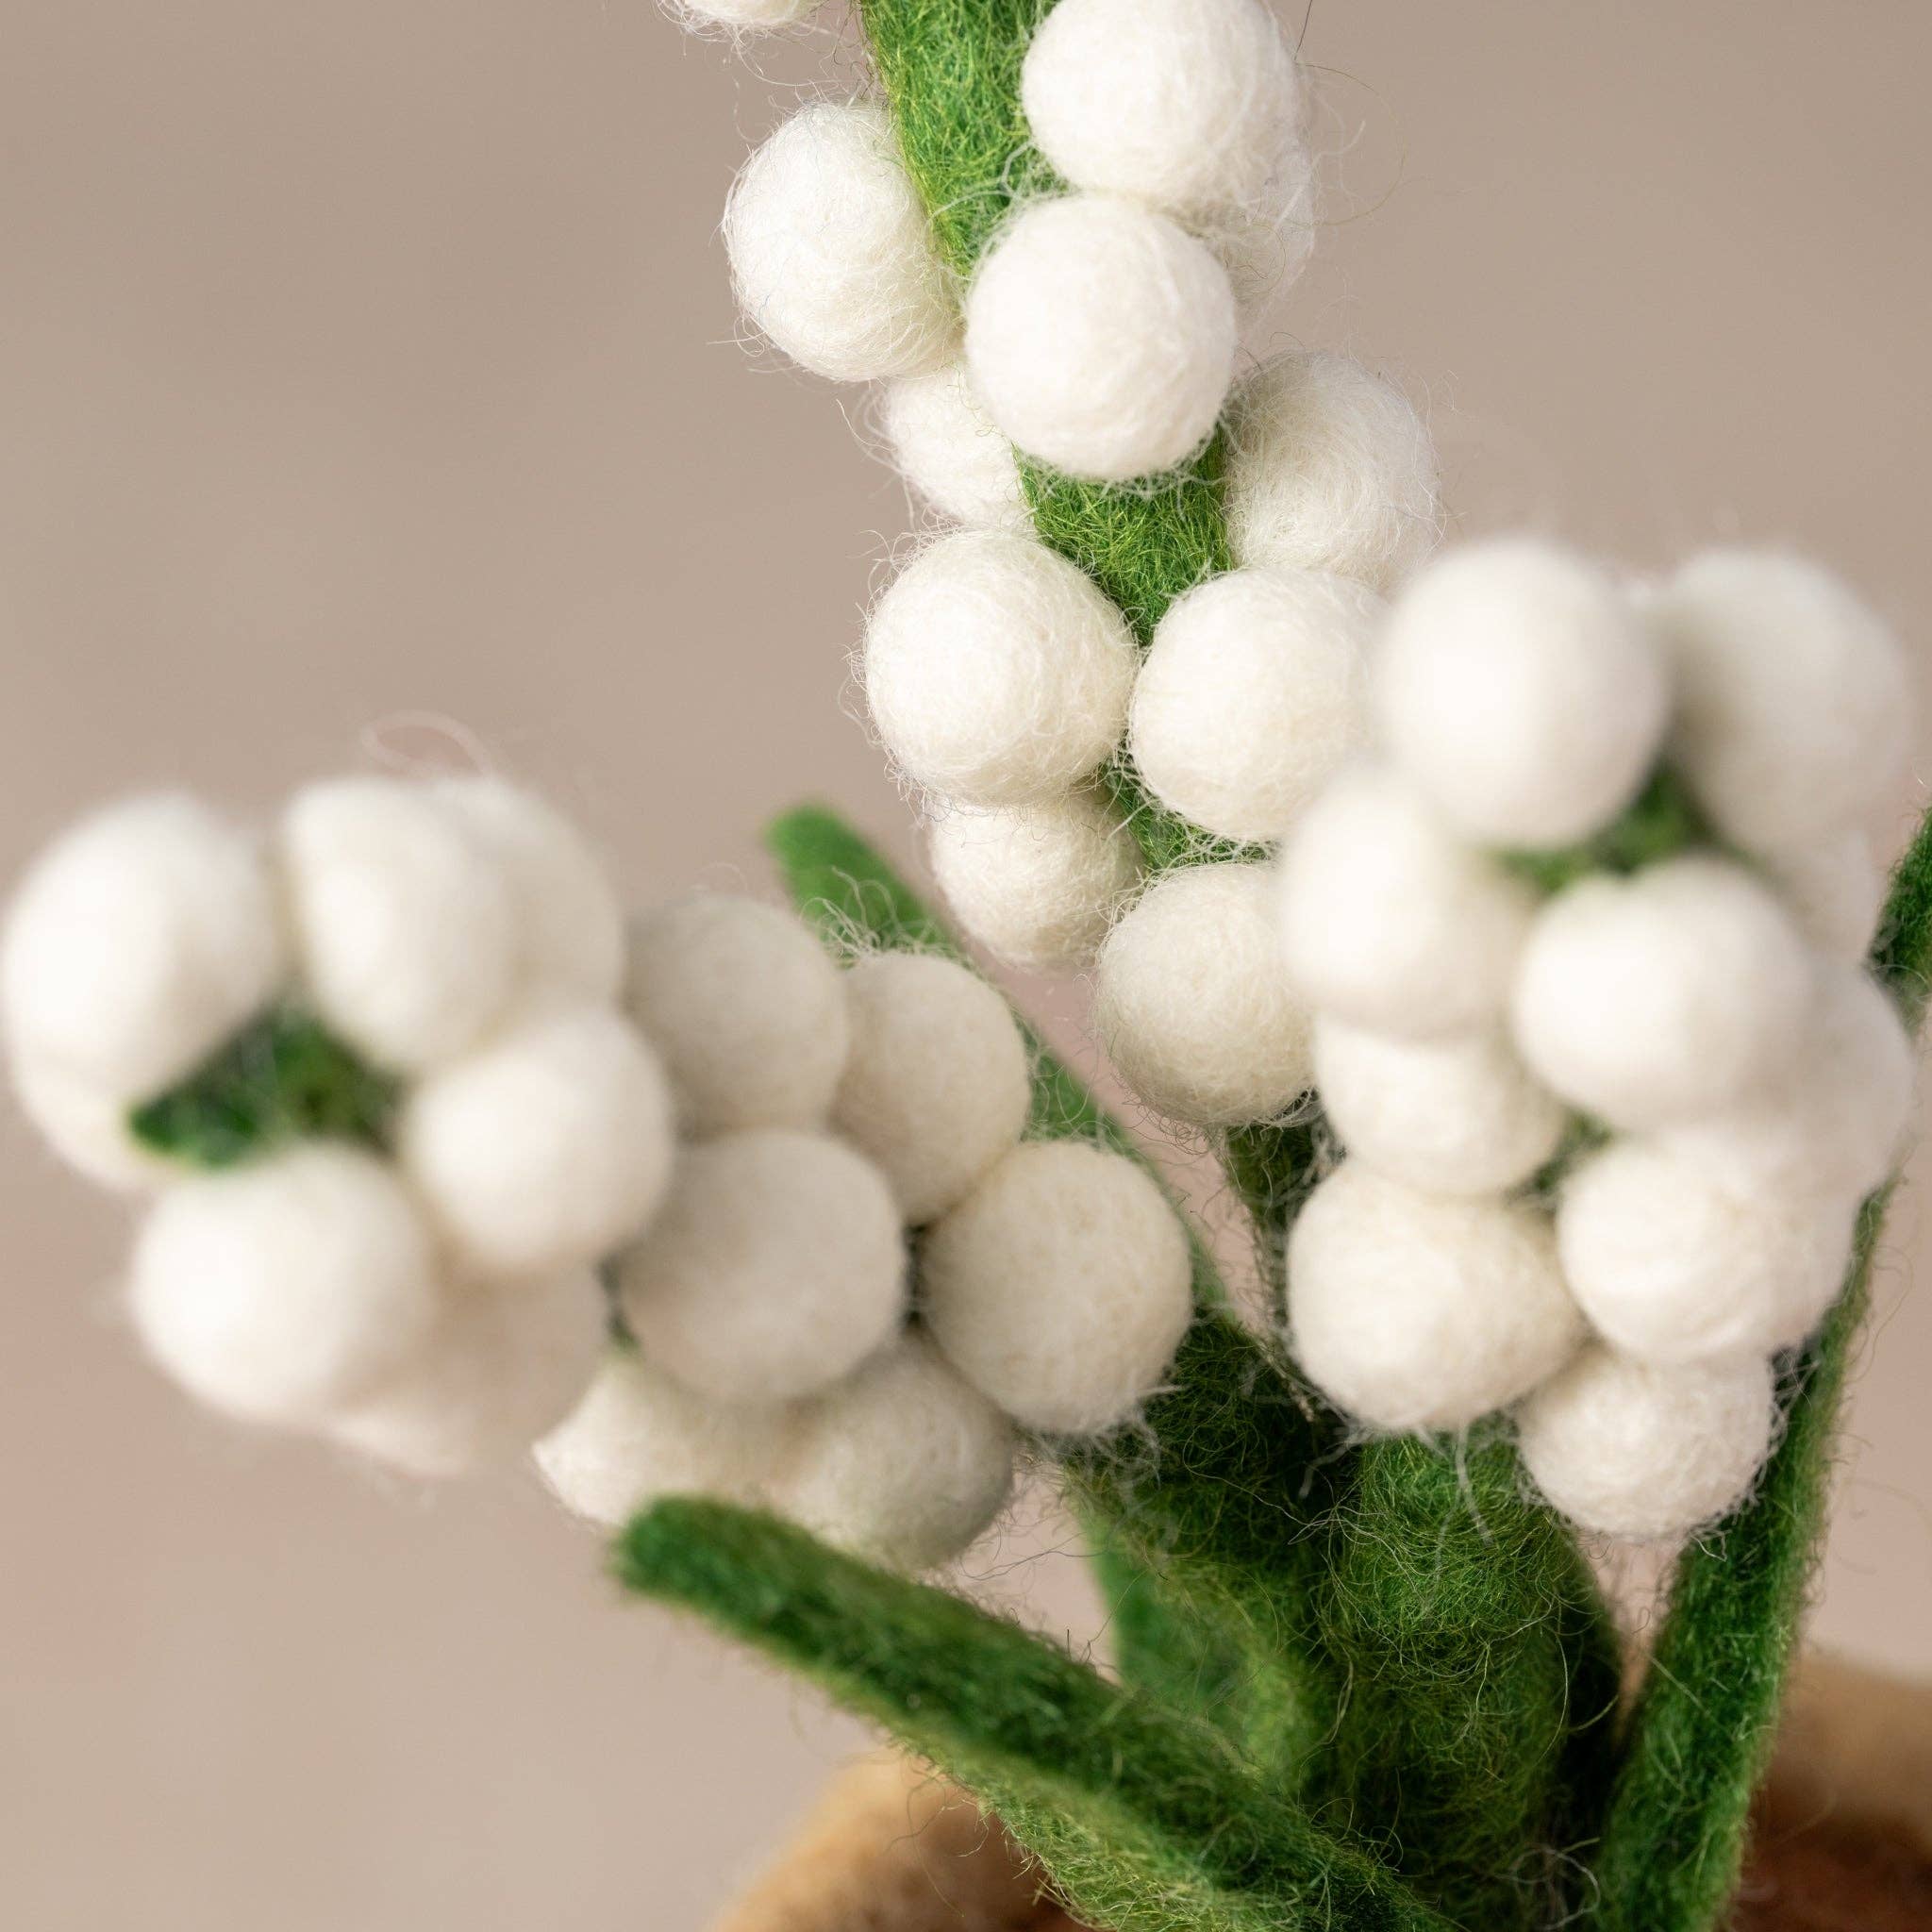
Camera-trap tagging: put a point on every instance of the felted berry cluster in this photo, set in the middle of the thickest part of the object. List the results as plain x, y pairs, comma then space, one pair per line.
418, 1115
1584, 943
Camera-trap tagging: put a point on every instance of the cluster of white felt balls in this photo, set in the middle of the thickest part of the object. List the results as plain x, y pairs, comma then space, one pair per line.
703, 1124
1605, 1146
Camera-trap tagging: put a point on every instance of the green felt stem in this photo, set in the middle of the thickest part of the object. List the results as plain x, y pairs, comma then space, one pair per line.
1705, 1725
1146, 1818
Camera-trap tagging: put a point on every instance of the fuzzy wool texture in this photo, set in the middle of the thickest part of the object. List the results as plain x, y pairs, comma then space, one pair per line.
1059, 1287
905, 1462
1634, 1450
1192, 107
506, 1361
938, 1084
405, 924
997, 674
548, 1147
1101, 337
1192, 1002
88, 1129
776, 1265
1669, 994
1673, 1262
283, 1291
829, 252
137, 942
746, 1009
1388, 922
1795, 700
1329, 467
1455, 1116
1421, 1312
1834, 888
951, 452
1518, 688
1036, 885
763, 14
637, 1436
1250, 696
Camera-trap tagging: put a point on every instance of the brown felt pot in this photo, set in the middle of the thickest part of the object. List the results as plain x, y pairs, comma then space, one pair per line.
1843, 1841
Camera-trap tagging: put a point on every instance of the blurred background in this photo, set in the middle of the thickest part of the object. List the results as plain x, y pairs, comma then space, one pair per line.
376, 361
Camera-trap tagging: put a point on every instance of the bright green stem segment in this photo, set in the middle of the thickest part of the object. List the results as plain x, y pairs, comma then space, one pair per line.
1145, 1817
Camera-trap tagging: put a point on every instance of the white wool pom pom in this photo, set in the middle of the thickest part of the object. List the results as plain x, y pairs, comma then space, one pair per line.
1628, 1449
903, 1464
1672, 1261
1329, 467
507, 1361
1060, 1287
90, 1130
743, 13
777, 1266
746, 1008
1794, 706
1388, 922
1101, 337
550, 1147
404, 922
1190, 106
939, 1082
1251, 695
1419, 1311
997, 671
137, 943
637, 1436
283, 1291
1457, 1116
951, 452
1835, 1126
830, 250
570, 926
1192, 1003
1836, 888
1668, 994
1039, 885
1516, 686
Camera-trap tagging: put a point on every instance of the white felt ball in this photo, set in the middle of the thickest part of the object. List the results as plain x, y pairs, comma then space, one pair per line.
939, 1083
746, 1008
570, 926
1189, 106
905, 1463
137, 943
1060, 1287
1671, 993
1794, 710
506, 1362
1192, 1002
1835, 1125
745, 14
1264, 248
1388, 922
1038, 884
90, 1129
1455, 1116
282, 1290
637, 1436
1251, 695
405, 924
1329, 467
1422, 1312
777, 1266
549, 1146
997, 671
1629, 1449
1834, 888
1674, 1263
830, 250
1101, 337
1517, 686
950, 451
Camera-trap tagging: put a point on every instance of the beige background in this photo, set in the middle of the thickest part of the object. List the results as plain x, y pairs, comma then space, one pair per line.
376, 357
